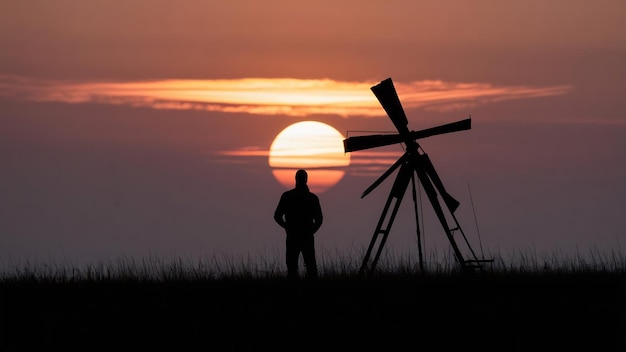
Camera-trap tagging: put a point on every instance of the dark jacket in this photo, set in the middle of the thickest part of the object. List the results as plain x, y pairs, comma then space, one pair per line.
299, 212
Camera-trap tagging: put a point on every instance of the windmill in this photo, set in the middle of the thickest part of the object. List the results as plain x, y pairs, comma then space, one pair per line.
414, 162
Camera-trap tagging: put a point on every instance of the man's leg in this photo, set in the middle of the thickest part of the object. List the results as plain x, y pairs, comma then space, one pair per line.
292, 253
308, 253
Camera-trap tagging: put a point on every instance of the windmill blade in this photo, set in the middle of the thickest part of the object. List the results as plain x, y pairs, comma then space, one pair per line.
447, 128
352, 144
386, 94
451, 203
389, 171
379, 140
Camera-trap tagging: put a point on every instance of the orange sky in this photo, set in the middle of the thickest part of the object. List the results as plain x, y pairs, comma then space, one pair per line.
347, 40
90, 167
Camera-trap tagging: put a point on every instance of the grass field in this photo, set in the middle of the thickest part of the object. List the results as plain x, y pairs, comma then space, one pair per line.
528, 302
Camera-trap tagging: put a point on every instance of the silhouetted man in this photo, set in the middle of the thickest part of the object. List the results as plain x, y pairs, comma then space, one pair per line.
300, 214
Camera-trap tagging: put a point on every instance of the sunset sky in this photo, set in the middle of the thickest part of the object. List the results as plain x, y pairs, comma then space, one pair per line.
144, 127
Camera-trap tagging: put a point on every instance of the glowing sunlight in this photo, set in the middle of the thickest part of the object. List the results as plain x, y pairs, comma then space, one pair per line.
269, 96
310, 145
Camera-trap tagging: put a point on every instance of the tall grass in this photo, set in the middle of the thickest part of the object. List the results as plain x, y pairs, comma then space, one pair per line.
532, 261
331, 265
149, 269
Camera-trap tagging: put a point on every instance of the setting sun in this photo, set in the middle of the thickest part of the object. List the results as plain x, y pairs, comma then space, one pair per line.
311, 145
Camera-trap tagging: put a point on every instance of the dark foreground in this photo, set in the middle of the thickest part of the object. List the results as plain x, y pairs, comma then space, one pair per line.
513, 312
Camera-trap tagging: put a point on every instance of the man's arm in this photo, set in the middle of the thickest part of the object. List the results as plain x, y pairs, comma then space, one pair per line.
318, 218
279, 212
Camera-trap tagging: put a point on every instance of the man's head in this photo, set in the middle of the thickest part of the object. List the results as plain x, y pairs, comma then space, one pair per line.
301, 178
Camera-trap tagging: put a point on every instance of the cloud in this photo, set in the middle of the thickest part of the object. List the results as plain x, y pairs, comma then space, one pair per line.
365, 163
269, 96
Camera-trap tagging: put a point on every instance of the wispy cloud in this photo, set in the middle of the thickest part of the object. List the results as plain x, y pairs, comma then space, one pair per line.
365, 163
269, 96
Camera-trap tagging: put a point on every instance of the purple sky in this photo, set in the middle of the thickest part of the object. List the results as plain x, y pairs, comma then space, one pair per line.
96, 178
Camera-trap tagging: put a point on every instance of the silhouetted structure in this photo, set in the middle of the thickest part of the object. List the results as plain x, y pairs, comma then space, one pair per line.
300, 214
413, 162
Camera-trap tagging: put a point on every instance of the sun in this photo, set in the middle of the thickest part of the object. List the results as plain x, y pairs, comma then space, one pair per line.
313, 146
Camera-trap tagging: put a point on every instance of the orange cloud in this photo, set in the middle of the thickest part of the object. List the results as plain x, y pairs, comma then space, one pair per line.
269, 96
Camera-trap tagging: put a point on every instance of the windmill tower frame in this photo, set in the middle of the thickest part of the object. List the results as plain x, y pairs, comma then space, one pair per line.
413, 163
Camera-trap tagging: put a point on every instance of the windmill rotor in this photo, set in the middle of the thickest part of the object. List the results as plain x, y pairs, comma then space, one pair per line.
411, 164
357, 143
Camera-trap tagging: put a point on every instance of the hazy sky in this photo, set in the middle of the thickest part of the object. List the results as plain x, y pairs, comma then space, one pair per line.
118, 121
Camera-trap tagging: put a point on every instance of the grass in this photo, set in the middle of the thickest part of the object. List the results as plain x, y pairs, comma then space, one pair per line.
332, 265
526, 300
